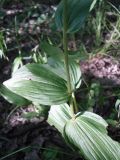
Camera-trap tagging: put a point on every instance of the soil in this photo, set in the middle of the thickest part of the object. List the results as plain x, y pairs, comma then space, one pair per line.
17, 132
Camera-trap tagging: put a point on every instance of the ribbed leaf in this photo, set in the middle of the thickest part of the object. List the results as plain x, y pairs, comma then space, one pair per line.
90, 139
57, 67
39, 84
77, 10
52, 51
59, 115
75, 72
12, 97
86, 134
56, 62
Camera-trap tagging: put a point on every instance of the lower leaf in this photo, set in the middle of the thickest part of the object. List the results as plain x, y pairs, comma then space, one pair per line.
58, 116
91, 140
85, 134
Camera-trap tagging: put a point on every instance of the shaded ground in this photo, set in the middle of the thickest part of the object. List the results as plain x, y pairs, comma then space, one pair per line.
15, 131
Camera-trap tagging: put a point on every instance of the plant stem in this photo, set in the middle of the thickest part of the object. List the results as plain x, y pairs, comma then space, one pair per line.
65, 45
66, 60
75, 103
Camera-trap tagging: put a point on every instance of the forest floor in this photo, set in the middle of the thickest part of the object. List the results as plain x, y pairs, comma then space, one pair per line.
34, 139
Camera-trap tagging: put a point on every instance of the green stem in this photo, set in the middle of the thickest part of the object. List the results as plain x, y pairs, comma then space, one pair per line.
65, 45
66, 61
75, 103
74, 43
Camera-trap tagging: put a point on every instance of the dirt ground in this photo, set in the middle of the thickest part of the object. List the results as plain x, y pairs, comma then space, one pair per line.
41, 139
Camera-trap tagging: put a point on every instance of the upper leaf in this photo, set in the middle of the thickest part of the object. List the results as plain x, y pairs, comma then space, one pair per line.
77, 10
39, 84
75, 73
57, 64
53, 51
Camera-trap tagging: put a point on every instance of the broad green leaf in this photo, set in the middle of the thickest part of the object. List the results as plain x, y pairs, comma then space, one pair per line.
77, 11
75, 72
91, 139
58, 66
52, 51
44, 84
86, 134
39, 84
93, 119
58, 54
59, 115
12, 97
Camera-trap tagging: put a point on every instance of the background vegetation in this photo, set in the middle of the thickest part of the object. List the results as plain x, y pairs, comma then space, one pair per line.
24, 26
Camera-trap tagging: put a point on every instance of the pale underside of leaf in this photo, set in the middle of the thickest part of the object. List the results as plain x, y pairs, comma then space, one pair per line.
59, 115
86, 134
91, 141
